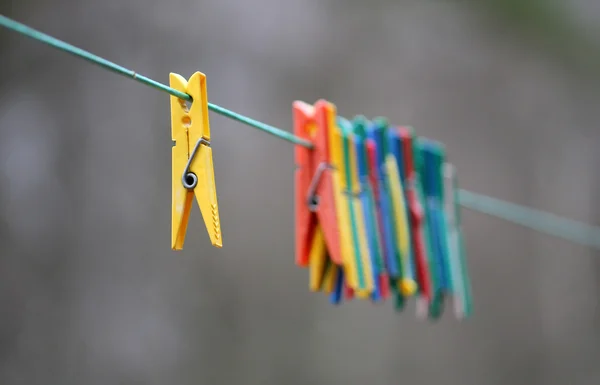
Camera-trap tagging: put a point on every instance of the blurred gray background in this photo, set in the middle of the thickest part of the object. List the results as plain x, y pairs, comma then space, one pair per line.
90, 292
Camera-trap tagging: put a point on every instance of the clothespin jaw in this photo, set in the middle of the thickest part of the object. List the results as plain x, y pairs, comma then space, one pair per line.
463, 303
315, 204
192, 163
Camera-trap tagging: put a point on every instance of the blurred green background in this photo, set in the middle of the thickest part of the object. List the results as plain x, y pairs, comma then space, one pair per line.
90, 292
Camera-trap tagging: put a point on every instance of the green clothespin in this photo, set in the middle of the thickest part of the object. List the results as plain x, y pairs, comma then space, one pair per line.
367, 200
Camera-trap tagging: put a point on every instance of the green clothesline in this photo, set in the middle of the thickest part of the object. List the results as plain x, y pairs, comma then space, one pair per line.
61, 45
541, 221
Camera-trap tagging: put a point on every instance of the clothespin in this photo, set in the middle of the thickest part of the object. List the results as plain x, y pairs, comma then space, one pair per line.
437, 157
430, 153
395, 169
349, 173
316, 217
462, 296
417, 214
376, 133
368, 205
192, 164
374, 179
320, 201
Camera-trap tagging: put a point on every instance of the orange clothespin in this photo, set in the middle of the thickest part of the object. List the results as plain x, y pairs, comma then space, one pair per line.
192, 164
315, 185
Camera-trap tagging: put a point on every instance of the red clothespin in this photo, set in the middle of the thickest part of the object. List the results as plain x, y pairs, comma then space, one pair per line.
416, 214
315, 199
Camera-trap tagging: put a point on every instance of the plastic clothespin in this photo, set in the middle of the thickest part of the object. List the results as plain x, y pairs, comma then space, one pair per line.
316, 214
349, 172
376, 133
192, 163
395, 170
429, 152
384, 279
417, 214
368, 205
437, 157
462, 296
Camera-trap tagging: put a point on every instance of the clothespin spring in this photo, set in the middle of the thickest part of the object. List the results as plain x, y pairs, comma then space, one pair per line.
189, 179
313, 198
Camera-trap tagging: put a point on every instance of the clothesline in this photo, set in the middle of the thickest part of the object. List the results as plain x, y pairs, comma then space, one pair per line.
540, 221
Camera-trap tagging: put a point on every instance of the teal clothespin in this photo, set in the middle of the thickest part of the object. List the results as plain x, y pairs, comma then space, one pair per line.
433, 306
434, 154
462, 296
438, 158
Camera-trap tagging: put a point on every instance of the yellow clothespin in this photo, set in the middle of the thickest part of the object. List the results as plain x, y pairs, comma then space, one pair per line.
192, 164
336, 153
407, 283
348, 168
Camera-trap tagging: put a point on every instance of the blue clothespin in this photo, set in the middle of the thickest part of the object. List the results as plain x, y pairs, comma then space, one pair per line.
376, 132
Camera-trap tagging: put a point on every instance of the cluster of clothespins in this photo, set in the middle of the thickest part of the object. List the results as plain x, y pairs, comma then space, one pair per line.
376, 214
